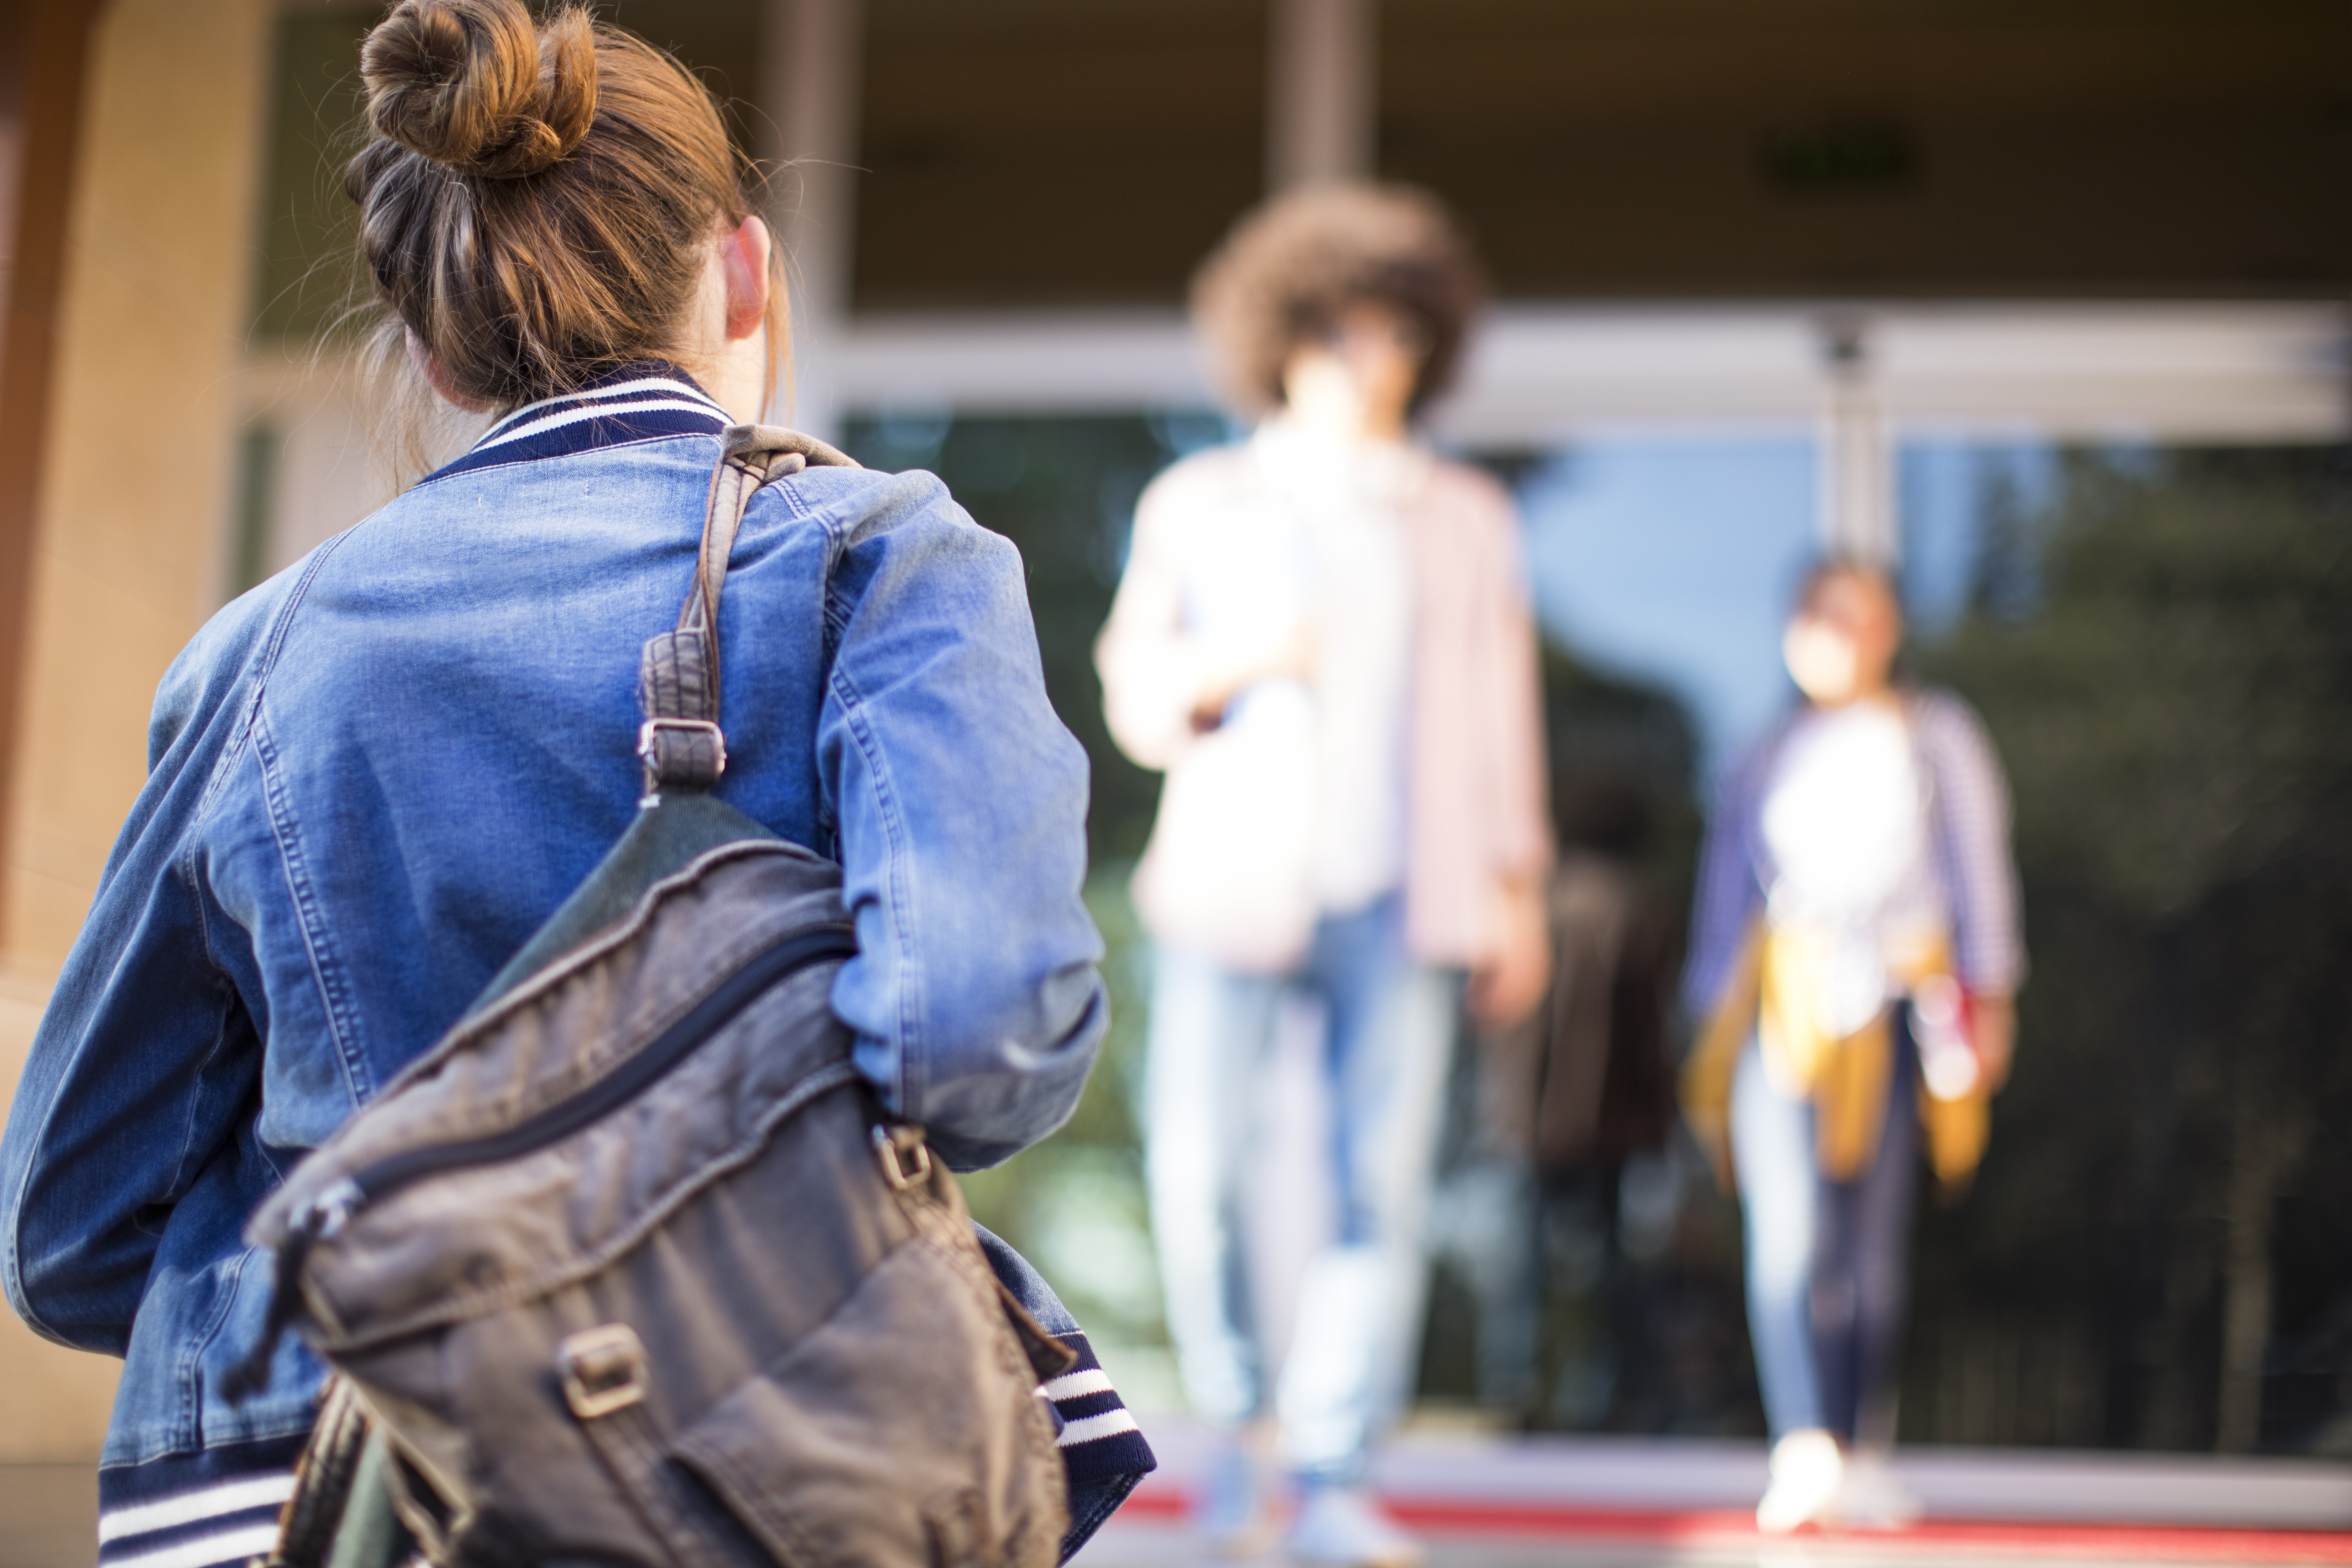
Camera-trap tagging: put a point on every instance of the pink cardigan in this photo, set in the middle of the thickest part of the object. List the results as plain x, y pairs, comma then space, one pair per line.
1475, 791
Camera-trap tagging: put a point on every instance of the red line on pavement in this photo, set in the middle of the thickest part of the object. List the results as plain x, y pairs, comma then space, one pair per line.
1929, 1538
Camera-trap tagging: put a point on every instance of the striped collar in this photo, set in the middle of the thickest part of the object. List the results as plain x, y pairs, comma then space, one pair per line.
644, 400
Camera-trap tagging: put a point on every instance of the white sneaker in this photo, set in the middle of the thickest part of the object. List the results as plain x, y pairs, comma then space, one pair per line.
1807, 1468
1341, 1527
1870, 1498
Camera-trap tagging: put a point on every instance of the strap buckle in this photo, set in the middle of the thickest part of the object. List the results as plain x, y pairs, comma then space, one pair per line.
604, 1370
649, 738
891, 1149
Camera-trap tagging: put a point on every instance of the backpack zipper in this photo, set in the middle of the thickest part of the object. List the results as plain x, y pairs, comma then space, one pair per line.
770, 967
327, 1213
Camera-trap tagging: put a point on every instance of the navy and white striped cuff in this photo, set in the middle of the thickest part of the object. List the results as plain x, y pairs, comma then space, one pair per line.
195, 1511
1099, 1437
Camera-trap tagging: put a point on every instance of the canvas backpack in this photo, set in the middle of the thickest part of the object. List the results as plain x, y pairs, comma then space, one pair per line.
629, 1267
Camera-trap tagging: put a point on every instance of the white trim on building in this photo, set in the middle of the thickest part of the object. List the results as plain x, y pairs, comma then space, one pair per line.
1548, 374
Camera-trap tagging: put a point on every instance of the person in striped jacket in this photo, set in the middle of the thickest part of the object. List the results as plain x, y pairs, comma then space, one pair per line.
1855, 955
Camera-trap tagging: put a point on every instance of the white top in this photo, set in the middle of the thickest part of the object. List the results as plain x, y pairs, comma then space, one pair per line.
1846, 822
1230, 871
1344, 566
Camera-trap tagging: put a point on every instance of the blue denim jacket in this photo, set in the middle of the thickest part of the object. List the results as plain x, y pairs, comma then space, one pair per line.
373, 777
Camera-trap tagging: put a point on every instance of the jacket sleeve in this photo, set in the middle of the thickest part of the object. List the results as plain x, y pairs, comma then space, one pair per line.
145, 1061
1519, 806
1153, 673
961, 803
1973, 830
1728, 893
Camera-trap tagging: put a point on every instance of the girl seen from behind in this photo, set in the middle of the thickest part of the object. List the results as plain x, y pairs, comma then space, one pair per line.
374, 777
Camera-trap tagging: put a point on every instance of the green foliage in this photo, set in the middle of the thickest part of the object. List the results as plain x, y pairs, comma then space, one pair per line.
2164, 656
2168, 707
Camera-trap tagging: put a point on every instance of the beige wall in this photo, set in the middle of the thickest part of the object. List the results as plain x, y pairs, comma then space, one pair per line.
333, 467
137, 491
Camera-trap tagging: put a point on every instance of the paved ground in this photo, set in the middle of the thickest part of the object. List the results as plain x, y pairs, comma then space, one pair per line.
1486, 1502
1128, 1546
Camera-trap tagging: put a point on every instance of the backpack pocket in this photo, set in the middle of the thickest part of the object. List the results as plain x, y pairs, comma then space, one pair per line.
819, 1455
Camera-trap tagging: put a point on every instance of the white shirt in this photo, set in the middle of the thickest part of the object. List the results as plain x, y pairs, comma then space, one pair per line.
1846, 822
1349, 576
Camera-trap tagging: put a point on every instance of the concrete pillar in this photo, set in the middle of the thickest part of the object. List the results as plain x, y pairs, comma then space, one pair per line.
44, 51
1321, 93
1857, 450
812, 63
130, 530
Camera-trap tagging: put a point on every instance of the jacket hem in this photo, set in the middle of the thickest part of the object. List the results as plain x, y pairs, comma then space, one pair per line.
196, 1509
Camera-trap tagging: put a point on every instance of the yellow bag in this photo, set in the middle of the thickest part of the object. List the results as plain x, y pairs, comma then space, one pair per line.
1775, 990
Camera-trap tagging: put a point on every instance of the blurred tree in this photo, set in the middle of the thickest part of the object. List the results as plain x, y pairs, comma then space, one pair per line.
2164, 655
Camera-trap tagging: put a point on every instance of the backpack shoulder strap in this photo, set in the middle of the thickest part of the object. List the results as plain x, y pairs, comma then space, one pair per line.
680, 742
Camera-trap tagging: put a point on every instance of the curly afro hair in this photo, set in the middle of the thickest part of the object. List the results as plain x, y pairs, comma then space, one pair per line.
1289, 270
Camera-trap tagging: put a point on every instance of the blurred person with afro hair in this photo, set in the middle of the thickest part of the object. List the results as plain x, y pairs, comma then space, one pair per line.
1323, 636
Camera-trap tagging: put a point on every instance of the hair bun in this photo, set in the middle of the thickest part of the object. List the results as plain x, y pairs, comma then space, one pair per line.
474, 85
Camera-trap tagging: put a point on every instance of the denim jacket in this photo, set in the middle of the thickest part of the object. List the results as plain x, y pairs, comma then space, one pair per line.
372, 778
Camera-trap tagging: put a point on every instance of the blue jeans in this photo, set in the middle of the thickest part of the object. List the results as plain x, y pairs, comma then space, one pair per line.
1828, 1262
1388, 1038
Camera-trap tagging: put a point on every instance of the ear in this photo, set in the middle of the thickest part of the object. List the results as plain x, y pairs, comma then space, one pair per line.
745, 250
436, 376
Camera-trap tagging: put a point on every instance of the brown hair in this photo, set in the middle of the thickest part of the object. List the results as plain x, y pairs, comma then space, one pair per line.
1290, 268
1828, 569
537, 200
